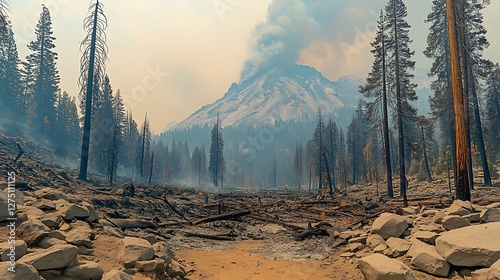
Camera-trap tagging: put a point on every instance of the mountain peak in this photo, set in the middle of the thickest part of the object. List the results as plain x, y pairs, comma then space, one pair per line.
285, 92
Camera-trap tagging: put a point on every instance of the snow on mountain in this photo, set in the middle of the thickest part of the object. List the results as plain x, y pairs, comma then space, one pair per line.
282, 93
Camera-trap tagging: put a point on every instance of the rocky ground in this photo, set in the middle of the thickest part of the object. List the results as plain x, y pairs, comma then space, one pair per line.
70, 229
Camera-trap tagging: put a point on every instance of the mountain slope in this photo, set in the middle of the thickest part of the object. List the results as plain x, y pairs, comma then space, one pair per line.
281, 93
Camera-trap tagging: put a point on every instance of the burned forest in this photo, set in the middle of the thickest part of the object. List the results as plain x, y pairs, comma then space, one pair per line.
355, 141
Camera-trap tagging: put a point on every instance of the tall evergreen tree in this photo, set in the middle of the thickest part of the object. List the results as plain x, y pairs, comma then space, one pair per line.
67, 132
331, 142
145, 144
375, 90
11, 93
492, 112
4, 7
92, 72
473, 37
438, 49
42, 62
216, 164
401, 64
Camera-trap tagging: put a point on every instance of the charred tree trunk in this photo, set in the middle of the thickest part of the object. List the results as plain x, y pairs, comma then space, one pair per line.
462, 182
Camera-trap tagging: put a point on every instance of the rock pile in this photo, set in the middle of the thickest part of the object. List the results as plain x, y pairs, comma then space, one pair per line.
55, 240
463, 239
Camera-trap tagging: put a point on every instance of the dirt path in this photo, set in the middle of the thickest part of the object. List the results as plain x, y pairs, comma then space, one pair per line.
241, 262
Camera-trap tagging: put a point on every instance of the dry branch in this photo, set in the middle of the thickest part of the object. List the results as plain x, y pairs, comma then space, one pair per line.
207, 236
228, 216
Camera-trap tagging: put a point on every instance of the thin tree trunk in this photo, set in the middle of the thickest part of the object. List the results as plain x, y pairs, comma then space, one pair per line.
385, 120
426, 161
151, 168
462, 183
88, 103
402, 175
479, 133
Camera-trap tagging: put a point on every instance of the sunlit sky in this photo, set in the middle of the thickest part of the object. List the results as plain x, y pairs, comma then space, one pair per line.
170, 57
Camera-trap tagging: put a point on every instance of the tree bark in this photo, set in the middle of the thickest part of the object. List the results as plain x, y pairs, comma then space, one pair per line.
462, 182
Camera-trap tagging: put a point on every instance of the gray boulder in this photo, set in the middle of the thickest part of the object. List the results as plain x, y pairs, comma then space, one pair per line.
55, 257
136, 249
380, 267
21, 272
427, 259
389, 225
472, 246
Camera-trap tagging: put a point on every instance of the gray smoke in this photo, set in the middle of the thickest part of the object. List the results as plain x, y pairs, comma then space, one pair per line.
292, 25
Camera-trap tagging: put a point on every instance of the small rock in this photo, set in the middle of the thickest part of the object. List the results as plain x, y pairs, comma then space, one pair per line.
136, 249
22, 272
374, 240
354, 247
20, 249
473, 217
360, 239
47, 242
380, 267
347, 255
157, 265
75, 211
380, 248
426, 236
52, 220
460, 208
57, 234
273, 229
50, 194
93, 215
84, 271
428, 260
454, 222
43, 204
163, 251
490, 215
398, 246
389, 225
31, 231
151, 239
175, 269
80, 234
55, 257
116, 275
407, 211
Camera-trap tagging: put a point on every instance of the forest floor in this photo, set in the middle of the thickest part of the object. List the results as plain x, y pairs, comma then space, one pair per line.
236, 234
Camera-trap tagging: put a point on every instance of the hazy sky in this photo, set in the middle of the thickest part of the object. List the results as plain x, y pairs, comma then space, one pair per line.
170, 57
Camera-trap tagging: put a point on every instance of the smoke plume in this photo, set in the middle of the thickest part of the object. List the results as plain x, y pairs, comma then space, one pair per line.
292, 25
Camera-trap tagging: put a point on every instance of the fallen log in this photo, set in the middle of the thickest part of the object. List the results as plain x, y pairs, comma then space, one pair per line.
176, 211
20, 152
207, 236
132, 223
278, 222
222, 217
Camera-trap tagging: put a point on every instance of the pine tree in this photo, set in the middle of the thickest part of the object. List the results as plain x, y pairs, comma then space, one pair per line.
4, 7
473, 37
318, 144
92, 72
426, 130
42, 62
331, 142
438, 49
102, 131
67, 132
145, 142
375, 90
11, 93
216, 164
400, 60
492, 112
